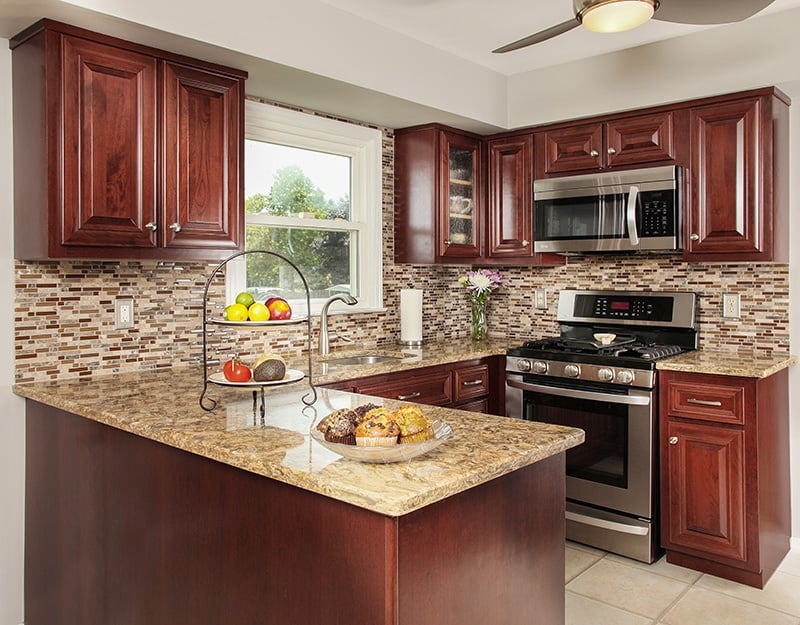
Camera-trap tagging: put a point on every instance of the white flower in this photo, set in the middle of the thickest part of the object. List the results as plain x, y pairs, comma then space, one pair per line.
480, 282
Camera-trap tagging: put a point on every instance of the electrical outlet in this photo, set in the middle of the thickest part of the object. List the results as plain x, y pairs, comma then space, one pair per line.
540, 298
731, 305
123, 313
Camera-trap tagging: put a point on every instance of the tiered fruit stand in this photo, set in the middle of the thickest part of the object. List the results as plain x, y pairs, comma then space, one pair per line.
257, 388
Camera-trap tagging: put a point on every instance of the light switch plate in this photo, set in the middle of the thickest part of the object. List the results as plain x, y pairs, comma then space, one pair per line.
123, 313
731, 305
539, 298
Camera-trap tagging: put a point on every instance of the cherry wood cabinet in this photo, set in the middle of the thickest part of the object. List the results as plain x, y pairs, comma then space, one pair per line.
725, 473
439, 199
475, 385
633, 141
123, 151
738, 208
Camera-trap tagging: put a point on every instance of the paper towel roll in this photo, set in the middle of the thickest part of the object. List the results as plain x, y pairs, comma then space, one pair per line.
410, 315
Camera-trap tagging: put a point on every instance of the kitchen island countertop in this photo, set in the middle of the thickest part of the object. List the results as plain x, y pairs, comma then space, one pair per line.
164, 406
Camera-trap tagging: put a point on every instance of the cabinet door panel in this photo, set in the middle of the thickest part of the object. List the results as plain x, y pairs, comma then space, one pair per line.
639, 140
108, 140
727, 205
573, 149
510, 189
705, 485
202, 189
460, 202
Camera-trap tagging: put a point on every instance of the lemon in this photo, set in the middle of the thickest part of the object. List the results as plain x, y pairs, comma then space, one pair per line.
236, 312
245, 299
258, 312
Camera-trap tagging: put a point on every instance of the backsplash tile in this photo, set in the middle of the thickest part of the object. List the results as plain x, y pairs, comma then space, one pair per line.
64, 310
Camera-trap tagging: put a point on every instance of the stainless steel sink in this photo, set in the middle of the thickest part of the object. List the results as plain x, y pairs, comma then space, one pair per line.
361, 360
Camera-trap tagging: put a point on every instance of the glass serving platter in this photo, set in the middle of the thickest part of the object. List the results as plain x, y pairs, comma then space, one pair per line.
395, 453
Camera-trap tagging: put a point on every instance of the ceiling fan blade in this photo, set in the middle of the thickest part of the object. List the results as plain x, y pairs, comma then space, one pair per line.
543, 35
708, 11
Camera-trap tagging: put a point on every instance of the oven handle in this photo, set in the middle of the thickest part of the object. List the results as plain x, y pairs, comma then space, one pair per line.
569, 392
607, 525
633, 234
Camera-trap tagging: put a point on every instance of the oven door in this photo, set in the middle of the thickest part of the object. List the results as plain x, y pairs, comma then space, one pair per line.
614, 467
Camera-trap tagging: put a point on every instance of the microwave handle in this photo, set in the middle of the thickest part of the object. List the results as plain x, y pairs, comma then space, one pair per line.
632, 400
633, 233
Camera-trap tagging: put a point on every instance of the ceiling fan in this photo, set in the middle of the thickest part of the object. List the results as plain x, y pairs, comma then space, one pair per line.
619, 15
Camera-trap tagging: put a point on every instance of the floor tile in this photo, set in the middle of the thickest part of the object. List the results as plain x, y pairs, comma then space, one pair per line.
791, 563
662, 567
782, 591
584, 611
628, 587
577, 561
580, 546
700, 606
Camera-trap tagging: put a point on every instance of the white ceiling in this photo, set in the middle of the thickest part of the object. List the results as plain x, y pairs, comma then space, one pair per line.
471, 29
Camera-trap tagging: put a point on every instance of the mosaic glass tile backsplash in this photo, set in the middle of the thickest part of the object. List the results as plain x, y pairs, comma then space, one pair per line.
64, 311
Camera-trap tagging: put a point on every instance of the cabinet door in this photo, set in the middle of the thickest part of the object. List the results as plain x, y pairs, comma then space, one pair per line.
727, 213
107, 133
573, 149
703, 489
510, 189
460, 202
203, 148
638, 140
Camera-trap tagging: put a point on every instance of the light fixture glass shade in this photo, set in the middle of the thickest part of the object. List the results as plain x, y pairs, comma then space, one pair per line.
616, 16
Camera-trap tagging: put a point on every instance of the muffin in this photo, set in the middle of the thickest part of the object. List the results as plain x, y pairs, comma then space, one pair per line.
378, 429
340, 426
414, 426
363, 409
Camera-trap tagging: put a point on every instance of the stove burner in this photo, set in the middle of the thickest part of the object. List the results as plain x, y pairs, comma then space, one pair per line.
652, 352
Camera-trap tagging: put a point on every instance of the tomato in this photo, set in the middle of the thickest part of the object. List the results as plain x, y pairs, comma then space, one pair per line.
236, 371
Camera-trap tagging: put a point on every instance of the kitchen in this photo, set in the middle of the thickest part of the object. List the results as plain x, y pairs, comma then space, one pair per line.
617, 273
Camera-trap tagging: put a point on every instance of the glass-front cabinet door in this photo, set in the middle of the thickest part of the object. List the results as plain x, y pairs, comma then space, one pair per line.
460, 204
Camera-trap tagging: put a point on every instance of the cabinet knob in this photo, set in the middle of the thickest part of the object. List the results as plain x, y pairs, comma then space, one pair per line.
695, 237
176, 227
612, 151
673, 440
594, 153
525, 243
151, 226
447, 242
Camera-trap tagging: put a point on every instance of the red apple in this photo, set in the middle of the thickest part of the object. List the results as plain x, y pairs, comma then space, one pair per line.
279, 309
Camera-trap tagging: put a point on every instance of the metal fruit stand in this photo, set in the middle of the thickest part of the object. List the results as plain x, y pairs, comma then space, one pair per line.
207, 403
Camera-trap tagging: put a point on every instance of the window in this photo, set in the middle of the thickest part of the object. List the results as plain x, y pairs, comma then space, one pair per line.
312, 194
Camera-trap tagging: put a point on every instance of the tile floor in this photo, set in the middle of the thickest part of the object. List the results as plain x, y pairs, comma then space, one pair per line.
605, 589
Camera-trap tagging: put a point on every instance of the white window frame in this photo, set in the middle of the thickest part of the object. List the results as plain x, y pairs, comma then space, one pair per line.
274, 124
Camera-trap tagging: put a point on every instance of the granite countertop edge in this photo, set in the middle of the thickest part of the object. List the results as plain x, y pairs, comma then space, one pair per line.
747, 364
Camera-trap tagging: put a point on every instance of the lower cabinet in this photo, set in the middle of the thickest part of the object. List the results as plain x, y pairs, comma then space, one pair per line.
725, 473
472, 385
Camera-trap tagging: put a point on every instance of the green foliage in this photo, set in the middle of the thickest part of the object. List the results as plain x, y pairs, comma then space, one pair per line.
322, 256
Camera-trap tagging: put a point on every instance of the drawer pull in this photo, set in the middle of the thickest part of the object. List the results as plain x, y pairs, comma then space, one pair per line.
409, 396
704, 402
472, 383
673, 440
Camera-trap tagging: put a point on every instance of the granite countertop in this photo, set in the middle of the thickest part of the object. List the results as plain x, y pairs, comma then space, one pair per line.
742, 364
164, 406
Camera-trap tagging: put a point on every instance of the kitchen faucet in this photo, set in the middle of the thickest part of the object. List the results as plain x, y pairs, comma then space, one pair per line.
324, 347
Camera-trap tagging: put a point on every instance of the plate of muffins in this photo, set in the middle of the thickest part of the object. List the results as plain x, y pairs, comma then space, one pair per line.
372, 433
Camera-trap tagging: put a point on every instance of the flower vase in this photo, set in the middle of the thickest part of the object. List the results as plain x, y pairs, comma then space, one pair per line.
479, 328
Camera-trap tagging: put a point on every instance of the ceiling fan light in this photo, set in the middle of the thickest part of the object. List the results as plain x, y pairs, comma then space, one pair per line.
617, 15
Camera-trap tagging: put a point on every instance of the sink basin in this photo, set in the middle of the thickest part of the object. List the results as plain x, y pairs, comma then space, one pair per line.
361, 360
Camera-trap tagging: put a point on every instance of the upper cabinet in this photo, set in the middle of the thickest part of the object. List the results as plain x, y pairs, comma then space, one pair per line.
438, 196
738, 206
630, 141
122, 151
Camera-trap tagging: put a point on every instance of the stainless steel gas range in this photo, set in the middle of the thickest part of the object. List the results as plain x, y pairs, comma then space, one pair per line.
599, 375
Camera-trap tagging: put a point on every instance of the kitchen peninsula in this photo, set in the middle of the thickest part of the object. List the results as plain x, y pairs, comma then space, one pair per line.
143, 508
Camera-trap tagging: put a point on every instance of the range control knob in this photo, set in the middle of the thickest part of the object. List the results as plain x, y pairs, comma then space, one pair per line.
605, 374
540, 366
524, 365
572, 371
625, 376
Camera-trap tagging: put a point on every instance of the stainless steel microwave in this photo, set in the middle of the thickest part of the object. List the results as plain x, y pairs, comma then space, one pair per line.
634, 210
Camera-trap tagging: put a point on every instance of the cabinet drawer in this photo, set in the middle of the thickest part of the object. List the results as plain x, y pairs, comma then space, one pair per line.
470, 382
434, 389
477, 405
723, 403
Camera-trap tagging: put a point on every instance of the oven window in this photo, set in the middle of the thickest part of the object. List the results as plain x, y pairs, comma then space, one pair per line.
603, 458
